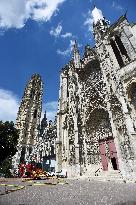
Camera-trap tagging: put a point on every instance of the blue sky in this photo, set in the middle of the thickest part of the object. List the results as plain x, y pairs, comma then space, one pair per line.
36, 36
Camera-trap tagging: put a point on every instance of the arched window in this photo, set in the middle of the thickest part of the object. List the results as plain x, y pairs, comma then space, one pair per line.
32, 94
52, 150
30, 150
117, 53
121, 47
35, 113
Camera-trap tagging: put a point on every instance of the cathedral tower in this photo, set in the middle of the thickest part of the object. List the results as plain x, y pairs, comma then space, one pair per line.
28, 119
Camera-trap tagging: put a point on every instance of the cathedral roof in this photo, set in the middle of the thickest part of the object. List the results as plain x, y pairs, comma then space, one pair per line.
121, 19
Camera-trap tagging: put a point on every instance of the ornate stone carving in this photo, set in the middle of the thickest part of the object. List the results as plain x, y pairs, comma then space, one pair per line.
28, 119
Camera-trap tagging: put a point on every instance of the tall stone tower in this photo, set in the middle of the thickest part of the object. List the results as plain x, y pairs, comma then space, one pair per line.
28, 119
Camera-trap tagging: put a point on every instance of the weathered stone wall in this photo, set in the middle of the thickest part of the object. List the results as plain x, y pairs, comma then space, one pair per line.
45, 147
99, 93
28, 119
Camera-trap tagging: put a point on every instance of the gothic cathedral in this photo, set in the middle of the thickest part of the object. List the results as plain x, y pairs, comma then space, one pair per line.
96, 119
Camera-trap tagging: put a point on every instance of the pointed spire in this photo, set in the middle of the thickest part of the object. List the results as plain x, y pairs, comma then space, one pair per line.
76, 55
75, 46
97, 14
44, 124
100, 25
45, 115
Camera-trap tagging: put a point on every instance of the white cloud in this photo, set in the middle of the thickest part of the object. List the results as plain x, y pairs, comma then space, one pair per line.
56, 31
51, 110
63, 53
89, 21
67, 35
68, 51
51, 105
9, 104
14, 13
117, 7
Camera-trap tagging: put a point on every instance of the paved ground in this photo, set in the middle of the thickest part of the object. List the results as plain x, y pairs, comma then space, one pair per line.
76, 192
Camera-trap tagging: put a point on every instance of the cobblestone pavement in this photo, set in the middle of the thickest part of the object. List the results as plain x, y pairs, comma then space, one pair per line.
76, 192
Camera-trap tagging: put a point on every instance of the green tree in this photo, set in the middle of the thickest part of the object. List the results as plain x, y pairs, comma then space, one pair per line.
5, 167
8, 140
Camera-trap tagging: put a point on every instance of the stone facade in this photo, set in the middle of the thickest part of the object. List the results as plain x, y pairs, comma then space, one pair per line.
96, 119
28, 119
45, 151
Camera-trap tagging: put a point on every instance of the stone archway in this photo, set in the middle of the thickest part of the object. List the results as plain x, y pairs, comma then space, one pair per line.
132, 94
99, 141
99, 123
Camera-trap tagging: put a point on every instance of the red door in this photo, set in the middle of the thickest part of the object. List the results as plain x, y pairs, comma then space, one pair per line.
113, 153
103, 156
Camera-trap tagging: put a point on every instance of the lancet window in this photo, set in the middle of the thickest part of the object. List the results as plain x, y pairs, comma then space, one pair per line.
35, 113
119, 51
